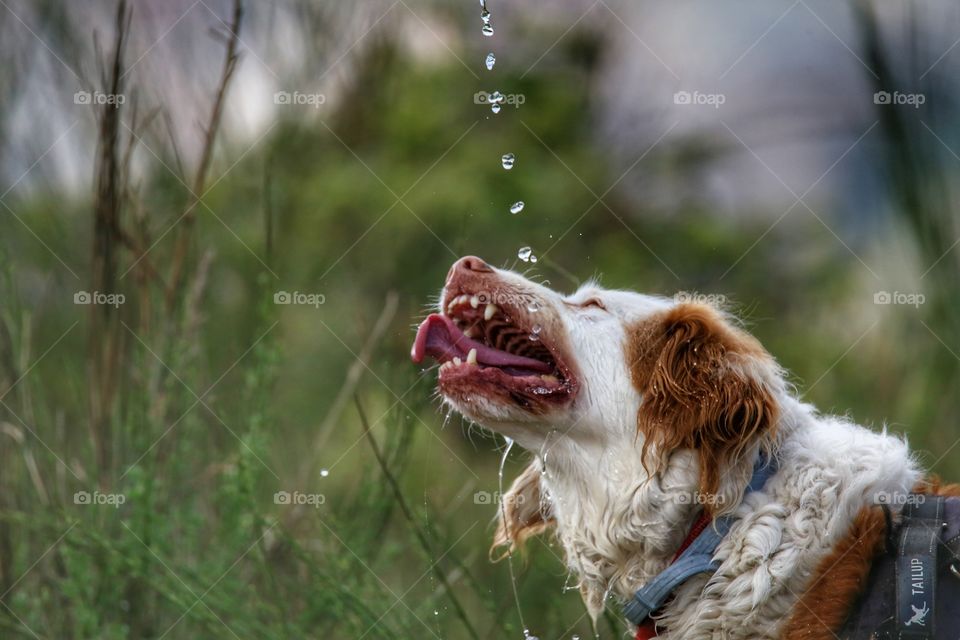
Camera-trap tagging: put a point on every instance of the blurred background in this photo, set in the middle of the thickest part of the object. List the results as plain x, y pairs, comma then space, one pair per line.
220, 222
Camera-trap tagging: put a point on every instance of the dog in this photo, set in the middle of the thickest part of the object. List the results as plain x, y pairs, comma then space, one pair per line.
645, 414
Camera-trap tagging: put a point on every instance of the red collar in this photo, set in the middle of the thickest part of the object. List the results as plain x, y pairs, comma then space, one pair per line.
648, 629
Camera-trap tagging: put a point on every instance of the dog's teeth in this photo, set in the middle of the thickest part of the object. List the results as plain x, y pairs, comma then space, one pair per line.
550, 379
474, 301
490, 311
472, 357
457, 362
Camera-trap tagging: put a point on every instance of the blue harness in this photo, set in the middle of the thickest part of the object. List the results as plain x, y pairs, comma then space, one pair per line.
696, 558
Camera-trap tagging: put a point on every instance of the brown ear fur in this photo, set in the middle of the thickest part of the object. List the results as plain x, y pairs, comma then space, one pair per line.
704, 386
521, 514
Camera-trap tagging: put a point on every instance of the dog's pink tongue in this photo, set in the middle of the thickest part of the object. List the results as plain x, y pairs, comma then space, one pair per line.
439, 338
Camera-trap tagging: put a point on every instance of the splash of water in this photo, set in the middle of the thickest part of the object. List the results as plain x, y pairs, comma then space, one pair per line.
503, 515
535, 333
526, 254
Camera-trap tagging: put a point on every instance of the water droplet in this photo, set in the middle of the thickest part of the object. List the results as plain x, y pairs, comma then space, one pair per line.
435, 612
535, 333
485, 15
503, 459
508, 160
533, 306
525, 253
487, 30
495, 107
324, 473
516, 207
490, 61
496, 97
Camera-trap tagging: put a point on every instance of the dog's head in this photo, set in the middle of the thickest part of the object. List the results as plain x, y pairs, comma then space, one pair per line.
599, 368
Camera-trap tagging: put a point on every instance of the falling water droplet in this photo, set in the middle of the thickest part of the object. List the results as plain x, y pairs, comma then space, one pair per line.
324, 473
503, 459
516, 207
490, 61
508, 160
535, 333
485, 15
495, 107
487, 30
526, 254
435, 612
496, 97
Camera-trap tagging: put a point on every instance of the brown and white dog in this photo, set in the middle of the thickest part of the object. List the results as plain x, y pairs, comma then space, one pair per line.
643, 412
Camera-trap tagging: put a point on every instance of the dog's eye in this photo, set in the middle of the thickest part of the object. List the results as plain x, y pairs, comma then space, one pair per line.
593, 302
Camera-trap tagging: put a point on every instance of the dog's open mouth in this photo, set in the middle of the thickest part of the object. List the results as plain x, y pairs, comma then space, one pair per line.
489, 347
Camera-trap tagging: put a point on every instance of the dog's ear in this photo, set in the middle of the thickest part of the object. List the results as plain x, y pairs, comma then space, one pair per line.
522, 513
705, 385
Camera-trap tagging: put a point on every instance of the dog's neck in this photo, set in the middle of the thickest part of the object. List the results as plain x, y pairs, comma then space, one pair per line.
620, 523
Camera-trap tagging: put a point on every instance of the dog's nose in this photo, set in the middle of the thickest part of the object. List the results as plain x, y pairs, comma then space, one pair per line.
469, 264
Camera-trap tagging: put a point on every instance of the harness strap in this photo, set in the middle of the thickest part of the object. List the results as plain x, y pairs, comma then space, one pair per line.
696, 558
916, 568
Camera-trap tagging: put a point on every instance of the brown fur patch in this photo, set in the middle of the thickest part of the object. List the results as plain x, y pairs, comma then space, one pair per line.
841, 576
932, 485
522, 514
701, 386
838, 580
